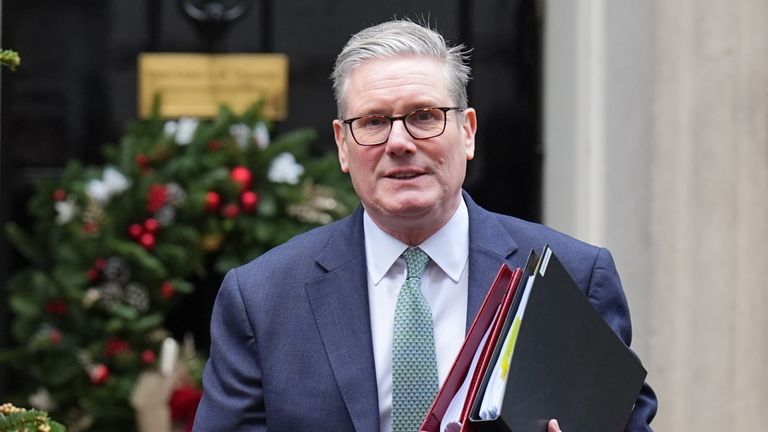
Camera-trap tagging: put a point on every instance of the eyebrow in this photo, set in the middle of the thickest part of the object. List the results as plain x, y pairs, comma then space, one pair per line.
407, 109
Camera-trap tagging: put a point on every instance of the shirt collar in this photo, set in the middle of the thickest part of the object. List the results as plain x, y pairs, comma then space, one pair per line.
448, 247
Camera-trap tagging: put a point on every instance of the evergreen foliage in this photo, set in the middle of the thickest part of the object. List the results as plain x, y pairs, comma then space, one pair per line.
110, 249
9, 58
14, 419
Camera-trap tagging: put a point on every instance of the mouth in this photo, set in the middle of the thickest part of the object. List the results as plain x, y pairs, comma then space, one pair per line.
403, 175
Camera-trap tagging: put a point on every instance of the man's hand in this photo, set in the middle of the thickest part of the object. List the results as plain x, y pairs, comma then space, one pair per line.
553, 426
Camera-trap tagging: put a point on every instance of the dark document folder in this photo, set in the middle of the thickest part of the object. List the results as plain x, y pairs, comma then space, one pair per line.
567, 363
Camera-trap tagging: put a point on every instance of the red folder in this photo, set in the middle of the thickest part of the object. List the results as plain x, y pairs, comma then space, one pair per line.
487, 354
499, 297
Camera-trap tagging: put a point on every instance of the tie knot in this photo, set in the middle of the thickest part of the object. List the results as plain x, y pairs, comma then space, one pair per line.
415, 262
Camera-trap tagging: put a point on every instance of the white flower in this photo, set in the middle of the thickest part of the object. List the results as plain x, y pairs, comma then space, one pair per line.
65, 211
112, 182
170, 127
42, 400
261, 134
92, 295
97, 191
186, 130
241, 133
285, 169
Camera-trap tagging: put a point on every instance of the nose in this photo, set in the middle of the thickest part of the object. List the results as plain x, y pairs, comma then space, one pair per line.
400, 141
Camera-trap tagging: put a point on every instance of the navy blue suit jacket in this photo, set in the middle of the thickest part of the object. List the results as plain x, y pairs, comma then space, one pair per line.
291, 342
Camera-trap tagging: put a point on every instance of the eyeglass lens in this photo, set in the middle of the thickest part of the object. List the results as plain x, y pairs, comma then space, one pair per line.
420, 124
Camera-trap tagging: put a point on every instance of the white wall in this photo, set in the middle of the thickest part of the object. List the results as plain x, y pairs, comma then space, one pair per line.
656, 145
596, 133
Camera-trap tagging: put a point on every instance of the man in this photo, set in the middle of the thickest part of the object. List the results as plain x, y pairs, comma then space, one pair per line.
309, 336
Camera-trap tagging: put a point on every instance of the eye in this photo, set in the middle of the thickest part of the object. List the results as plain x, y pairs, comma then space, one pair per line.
425, 116
371, 122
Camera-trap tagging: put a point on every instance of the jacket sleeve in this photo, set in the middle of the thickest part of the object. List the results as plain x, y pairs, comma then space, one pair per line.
607, 296
232, 387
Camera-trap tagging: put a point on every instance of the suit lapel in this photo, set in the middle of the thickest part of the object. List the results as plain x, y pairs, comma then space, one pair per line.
339, 301
490, 245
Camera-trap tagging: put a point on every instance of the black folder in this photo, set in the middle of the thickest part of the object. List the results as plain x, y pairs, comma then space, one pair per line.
567, 363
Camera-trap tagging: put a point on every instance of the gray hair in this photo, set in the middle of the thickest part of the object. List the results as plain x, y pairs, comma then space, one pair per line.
396, 38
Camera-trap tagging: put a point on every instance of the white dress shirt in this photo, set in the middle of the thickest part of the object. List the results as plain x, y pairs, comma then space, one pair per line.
444, 285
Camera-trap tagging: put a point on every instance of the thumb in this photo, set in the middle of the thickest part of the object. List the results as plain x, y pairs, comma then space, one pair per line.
553, 426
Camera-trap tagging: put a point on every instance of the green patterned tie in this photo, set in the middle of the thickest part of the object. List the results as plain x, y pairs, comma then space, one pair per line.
414, 366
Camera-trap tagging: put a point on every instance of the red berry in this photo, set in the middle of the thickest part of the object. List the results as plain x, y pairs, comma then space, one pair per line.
115, 346
230, 211
100, 263
135, 231
151, 225
157, 197
242, 176
57, 307
142, 160
212, 201
93, 274
167, 290
147, 241
148, 356
99, 374
59, 195
249, 200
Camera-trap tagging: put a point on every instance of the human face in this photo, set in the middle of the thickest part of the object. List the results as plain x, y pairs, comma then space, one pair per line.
409, 187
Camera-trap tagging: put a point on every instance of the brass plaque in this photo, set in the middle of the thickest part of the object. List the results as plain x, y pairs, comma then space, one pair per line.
197, 84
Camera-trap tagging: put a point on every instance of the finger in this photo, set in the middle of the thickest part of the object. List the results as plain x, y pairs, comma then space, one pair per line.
553, 426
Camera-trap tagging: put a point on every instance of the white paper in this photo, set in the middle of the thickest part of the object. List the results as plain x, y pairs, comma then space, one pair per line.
451, 419
497, 384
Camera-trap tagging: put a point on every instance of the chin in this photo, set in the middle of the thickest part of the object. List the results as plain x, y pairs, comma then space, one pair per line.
410, 206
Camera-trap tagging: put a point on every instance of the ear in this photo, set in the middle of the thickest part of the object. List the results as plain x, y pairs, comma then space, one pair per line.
469, 128
341, 144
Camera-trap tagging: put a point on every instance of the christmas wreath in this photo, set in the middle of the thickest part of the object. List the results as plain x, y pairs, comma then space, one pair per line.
110, 249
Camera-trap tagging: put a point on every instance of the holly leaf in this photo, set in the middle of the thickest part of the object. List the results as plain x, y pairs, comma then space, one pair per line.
182, 286
25, 305
147, 323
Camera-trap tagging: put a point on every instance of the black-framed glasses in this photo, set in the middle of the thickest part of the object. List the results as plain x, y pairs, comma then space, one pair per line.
423, 123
